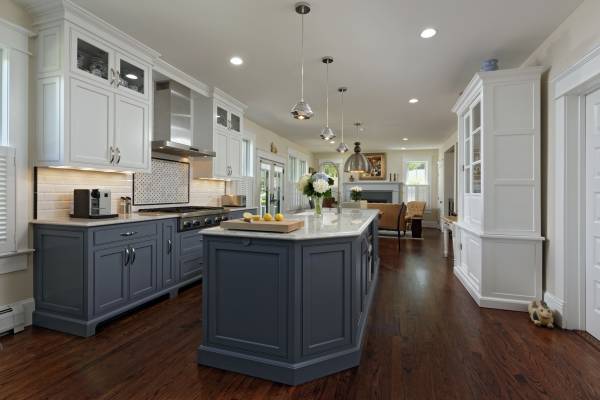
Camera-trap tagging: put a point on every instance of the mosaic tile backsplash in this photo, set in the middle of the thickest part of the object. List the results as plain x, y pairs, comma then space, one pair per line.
168, 183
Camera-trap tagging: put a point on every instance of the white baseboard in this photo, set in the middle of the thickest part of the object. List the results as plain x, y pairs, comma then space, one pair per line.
18, 318
557, 305
486, 301
430, 224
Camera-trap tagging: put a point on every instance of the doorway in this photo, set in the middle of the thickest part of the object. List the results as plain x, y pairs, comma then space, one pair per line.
592, 226
271, 187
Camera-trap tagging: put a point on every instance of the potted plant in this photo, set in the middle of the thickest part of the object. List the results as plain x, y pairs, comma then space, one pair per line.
316, 186
356, 193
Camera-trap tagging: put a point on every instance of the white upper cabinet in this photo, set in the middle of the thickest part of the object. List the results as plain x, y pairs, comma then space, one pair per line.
218, 123
93, 91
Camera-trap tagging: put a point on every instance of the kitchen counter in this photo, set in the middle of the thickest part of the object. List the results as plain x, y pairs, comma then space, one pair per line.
289, 307
352, 222
121, 219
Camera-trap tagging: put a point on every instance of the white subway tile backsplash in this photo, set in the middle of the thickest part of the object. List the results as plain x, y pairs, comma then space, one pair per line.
55, 190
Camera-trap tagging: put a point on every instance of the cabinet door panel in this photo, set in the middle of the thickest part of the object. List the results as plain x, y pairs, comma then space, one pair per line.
169, 272
91, 124
190, 267
142, 269
133, 76
132, 133
234, 155
220, 161
110, 280
92, 59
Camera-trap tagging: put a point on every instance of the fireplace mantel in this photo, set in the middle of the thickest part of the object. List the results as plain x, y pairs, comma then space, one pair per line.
378, 186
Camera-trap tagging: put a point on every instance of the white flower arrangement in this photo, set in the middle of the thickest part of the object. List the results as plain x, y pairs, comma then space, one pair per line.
315, 185
356, 189
320, 186
356, 193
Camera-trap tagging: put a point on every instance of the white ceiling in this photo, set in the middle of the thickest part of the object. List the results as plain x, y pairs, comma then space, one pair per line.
375, 44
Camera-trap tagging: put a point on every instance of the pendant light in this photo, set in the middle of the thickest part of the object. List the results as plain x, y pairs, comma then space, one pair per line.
357, 162
302, 110
327, 133
342, 148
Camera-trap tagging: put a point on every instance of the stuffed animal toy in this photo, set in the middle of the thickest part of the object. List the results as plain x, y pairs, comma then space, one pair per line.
540, 314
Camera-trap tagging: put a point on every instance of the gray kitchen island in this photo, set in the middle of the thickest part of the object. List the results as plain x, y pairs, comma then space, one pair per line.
289, 307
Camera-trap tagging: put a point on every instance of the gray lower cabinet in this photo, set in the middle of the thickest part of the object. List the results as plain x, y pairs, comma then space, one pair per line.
84, 276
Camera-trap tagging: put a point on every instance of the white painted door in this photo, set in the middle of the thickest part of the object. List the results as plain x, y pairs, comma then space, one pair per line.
234, 155
220, 161
132, 134
593, 214
91, 124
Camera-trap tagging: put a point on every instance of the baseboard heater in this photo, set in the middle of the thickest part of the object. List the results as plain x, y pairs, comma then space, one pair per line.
12, 319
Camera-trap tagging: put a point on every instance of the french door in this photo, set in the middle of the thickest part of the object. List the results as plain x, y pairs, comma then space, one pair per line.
271, 187
592, 278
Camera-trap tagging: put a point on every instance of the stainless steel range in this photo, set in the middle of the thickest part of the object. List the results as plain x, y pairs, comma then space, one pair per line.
191, 217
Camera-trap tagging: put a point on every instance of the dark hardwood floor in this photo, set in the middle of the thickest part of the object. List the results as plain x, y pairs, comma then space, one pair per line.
426, 339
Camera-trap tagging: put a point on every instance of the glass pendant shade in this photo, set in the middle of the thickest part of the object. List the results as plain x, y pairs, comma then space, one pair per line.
342, 148
357, 162
327, 133
302, 110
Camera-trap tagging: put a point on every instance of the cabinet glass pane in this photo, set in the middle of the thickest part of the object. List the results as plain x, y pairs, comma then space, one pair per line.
476, 139
477, 178
477, 116
467, 180
467, 127
92, 59
222, 117
467, 152
235, 122
131, 76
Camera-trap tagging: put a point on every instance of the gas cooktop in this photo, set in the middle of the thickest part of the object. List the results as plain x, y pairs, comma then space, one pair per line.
193, 217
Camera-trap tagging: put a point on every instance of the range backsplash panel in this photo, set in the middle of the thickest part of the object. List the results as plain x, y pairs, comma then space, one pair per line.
168, 183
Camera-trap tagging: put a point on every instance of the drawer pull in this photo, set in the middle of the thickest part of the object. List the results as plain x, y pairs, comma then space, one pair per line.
126, 234
126, 256
132, 255
170, 242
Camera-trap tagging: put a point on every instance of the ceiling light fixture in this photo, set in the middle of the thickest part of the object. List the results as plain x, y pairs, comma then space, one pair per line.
413, 101
357, 162
327, 133
405, 139
131, 76
236, 60
342, 148
402, 148
428, 33
301, 109
332, 141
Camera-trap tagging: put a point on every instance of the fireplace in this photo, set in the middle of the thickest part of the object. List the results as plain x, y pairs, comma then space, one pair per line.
378, 196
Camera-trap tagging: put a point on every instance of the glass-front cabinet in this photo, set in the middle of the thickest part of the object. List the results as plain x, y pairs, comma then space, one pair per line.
94, 60
471, 126
228, 119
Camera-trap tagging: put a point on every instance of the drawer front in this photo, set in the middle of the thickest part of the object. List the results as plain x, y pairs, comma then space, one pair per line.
123, 232
190, 243
190, 267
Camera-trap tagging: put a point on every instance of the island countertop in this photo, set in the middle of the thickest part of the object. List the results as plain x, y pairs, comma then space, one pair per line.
352, 222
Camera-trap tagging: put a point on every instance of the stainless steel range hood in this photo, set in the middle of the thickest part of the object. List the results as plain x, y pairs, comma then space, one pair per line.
173, 121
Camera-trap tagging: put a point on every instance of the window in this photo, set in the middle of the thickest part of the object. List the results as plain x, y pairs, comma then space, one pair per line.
247, 158
297, 166
416, 173
3, 97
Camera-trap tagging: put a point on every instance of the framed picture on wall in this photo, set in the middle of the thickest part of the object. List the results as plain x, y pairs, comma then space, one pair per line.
378, 169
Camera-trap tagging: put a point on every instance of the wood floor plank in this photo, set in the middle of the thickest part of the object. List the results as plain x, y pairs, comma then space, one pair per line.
426, 339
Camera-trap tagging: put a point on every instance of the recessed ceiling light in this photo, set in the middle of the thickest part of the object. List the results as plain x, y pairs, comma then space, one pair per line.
413, 101
131, 76
332, 141
402, 148
428, 33
236, 61
405, 139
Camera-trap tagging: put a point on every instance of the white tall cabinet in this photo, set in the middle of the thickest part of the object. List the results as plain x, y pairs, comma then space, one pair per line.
498, 235
93, 91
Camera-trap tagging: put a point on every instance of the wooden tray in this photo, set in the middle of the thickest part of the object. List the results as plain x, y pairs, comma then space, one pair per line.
285, 226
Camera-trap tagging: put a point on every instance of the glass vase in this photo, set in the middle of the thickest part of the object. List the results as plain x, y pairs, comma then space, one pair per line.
318, 206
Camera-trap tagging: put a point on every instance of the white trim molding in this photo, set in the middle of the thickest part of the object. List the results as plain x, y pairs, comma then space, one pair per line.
557, 305
570, 89
16, 316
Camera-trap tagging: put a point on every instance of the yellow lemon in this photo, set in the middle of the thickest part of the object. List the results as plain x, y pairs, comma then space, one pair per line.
268, 217
256, 218
247, 215
279, 217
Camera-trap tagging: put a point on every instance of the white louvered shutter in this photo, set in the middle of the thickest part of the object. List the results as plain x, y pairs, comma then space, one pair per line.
7, 199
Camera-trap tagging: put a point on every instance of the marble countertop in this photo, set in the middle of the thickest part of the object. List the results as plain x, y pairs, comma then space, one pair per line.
121, 219
352, 222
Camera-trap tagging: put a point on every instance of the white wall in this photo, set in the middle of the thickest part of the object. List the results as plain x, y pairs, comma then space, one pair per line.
571, 41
